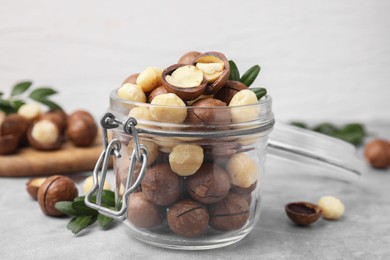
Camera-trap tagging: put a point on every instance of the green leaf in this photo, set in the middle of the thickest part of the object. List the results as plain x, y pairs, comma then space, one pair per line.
249, 77
18, 103
260, 92
234, 73
66, 207
326, 128
82, 209
7, 107
104, 222
299, 124
1, 94
20, 88
108, 198
42, 92
77, 224
52, 105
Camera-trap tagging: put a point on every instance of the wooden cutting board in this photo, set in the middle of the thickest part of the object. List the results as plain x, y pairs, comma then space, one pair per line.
69, 159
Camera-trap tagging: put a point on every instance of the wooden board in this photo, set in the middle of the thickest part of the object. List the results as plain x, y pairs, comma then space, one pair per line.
69, 159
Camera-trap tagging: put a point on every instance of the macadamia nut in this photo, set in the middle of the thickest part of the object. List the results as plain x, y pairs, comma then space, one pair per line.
186, 159
185, 77
169, 108
242, 98
45, 132
88, 184
332, 208
243, 170
131, 92
149, 79
152, 149
141, 113
30, 111
212, 71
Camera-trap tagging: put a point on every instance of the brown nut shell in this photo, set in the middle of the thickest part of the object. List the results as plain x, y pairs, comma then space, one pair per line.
221, 81
131, 79
161, 185
227, 92
142, 213
15, 125
231, 213
188, 218
53, 189
209, 184
206, 112
377, 153
82, 129
155, 92
188, 57
9, 144
184, 93
303, 213
58, 117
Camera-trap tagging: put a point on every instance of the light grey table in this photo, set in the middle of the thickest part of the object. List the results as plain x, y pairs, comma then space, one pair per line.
363, 232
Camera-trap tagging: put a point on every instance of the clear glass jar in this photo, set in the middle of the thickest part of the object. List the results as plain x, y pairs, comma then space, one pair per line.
195, 184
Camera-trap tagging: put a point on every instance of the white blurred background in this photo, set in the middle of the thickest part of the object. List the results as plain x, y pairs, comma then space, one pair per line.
321, 60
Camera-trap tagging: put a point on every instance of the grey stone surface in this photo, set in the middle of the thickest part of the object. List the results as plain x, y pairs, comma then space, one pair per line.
363, 232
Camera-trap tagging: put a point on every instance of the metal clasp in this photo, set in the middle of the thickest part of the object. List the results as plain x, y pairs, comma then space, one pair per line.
140, 153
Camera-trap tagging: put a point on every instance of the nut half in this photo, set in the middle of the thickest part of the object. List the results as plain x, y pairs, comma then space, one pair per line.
303, 213
186, 81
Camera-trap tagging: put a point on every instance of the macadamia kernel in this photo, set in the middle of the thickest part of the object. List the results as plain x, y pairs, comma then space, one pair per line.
212, 71
88, 184
169, 108
45, 132
30, 111
185, 77
131, 92
243, 170
141, 113
149, 79
186, 159
332, 208
242, 98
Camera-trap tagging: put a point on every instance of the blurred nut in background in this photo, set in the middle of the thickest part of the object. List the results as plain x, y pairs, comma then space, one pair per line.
33, 185
377, 153
44, 135
81, 128
30, 111
53, 189
58, 117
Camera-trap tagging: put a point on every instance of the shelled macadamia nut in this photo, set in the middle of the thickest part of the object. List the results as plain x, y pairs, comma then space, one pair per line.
141, 113
242, 98
30, 111
58, 117
243, 170
168, 108
332, 208
186, 159
142, 213
88, 184
131, 92
45, 135
188, 218
149, 79
186, 81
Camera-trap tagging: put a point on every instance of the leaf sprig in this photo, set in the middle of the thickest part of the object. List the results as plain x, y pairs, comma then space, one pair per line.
83, 216
247, 78
15, 100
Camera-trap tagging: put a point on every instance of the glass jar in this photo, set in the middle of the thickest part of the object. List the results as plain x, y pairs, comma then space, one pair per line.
196, 184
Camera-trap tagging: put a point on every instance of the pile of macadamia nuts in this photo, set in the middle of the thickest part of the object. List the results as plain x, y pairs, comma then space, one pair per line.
193, 186
45, 131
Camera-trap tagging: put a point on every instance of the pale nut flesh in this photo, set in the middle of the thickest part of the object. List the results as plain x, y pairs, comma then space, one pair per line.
242, 114
243, 170
212, 71
131, 92
186, 159
332, 208
88, 184
185, 77
168, 108
149, 79
140, 113
30, 111
45, 132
